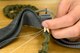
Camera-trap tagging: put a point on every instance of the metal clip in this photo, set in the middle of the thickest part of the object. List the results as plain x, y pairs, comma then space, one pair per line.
46, 30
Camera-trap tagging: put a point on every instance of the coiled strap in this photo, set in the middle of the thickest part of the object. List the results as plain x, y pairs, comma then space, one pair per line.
11, 11
45, 43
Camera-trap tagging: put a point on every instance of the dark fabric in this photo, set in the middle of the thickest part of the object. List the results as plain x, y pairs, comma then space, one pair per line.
25, 17
10, 32
28, 17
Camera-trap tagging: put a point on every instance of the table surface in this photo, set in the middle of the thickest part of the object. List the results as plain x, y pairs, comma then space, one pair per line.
31, 43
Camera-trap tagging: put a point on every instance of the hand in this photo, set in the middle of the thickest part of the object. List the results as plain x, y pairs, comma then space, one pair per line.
67, 21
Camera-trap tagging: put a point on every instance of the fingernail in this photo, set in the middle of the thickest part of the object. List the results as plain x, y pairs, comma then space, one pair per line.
44, 24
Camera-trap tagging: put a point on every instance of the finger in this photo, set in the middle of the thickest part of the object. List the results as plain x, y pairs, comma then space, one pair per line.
68, 20
69, 32
63, 7
65, 33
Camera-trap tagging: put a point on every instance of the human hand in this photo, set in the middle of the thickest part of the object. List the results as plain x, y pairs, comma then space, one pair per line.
67, 21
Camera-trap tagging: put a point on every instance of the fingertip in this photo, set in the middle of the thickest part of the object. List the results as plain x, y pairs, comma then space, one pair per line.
44, 24
48, 23
56, 36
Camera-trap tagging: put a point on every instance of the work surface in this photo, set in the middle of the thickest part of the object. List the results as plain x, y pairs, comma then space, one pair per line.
27, 43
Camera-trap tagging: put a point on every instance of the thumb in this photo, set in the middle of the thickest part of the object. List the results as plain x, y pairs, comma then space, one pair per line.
65, 21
